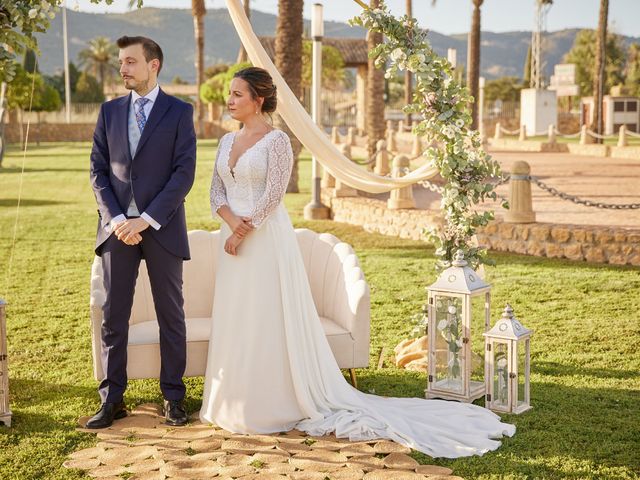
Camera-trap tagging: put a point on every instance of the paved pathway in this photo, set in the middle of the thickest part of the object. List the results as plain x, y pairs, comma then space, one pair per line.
142, 447
607, 180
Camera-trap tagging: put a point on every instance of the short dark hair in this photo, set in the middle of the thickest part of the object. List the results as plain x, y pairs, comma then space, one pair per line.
150, 48
260, 85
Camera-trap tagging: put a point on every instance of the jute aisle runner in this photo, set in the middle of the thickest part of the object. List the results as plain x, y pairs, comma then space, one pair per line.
142, 447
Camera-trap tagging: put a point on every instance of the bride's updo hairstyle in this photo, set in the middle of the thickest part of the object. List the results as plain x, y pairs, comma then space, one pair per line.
260, 85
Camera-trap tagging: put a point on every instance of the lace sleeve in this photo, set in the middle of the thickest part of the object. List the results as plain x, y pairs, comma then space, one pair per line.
280, 162
218, 193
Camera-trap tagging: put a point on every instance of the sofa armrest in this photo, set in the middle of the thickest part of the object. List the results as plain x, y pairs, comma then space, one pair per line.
96, 302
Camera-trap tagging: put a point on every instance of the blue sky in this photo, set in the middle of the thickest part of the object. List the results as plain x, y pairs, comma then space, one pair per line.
448, 16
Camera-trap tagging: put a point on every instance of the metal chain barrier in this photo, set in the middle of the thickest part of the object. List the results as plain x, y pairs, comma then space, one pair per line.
633, 134
566, 135
601, 137
509, 132
581, 201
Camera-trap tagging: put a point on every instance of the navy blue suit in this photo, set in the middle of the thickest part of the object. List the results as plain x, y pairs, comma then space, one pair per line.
158, 177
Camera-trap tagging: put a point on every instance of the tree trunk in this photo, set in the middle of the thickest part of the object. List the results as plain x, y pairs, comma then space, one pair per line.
599, 76
242, 54
375, 94
198, 10
473, 61
408, 76
289, 30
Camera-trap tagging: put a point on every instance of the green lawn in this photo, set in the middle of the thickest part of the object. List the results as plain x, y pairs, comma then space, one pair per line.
585, 355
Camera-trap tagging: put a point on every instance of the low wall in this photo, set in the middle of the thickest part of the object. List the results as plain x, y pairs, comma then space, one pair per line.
77, 132
612, 245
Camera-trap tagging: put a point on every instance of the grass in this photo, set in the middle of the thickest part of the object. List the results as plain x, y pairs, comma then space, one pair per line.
585, 358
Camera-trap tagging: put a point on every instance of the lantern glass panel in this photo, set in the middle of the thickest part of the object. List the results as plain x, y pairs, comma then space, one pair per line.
449, 351
500, 375
478, 322
521, 348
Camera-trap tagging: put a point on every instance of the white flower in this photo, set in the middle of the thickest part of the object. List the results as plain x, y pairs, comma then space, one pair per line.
459, 343
452, 310
442, 324
33, 13
397, 55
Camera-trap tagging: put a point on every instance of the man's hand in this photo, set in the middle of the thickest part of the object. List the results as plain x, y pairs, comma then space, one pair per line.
241, 226
232, 244
129, 230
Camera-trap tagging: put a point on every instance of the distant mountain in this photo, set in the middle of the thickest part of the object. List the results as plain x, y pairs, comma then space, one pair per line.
502, 53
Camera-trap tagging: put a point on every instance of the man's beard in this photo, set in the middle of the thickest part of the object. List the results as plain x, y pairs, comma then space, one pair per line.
133, 85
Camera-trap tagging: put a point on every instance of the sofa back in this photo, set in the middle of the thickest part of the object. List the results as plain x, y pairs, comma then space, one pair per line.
329, 264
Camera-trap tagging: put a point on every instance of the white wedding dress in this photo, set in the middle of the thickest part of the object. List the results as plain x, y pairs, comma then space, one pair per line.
270, 367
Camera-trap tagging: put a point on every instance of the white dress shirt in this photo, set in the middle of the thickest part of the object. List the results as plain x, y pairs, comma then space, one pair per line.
133, 209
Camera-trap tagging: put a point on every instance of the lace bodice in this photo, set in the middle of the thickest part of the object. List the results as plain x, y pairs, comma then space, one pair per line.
259, 180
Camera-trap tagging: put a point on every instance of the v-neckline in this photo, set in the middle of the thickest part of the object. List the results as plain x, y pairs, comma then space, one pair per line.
233, 141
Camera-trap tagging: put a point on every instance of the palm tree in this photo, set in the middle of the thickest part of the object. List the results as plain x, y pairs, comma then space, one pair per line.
473, 59
599, 77
100, 58
289, 29
242, 54
199, 10
375, 93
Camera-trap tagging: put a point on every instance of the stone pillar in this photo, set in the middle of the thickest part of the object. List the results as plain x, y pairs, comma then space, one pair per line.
341, 188
401, 197
551, 136
391, 141
382, 160
335, 135
416, 149
351, 136
520, 209
622, 136
585, 138
5, 411
361, 96
498, 133
401, 126
523, 133
389, 126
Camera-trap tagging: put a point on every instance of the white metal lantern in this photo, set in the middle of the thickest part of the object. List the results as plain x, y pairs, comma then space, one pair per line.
459, 310
507, 365
5, 412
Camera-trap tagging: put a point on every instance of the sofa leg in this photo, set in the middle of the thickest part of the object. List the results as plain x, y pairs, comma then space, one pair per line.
352, 374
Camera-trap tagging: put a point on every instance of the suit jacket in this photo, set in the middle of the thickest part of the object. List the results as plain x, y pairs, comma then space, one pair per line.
159, 175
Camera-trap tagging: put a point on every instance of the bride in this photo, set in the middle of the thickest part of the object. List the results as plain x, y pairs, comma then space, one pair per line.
270, 367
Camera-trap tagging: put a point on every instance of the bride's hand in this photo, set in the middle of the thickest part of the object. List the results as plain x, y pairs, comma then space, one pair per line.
232, 244
242, 226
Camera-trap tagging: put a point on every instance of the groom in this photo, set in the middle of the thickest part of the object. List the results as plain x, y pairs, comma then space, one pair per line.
142, 167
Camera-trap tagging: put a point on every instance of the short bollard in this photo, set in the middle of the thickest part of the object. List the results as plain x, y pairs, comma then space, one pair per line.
341, 188
622, 136
401, 197
520, 205
382, 159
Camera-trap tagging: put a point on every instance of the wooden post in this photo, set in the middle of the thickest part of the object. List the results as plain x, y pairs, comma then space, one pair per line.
401, 197
416, 149
498, 133
341, 188
382, 160
335, 135
391, 141
523, 133
622, 136
5, 411
351, 136
520, 208
551, 136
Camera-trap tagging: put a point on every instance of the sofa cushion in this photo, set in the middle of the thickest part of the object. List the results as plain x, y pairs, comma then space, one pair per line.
145, 333
199, 329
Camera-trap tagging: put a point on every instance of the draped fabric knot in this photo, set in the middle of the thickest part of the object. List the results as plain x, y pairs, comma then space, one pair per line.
141, 118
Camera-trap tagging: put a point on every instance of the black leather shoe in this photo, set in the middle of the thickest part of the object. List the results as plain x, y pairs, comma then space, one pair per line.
174, 413
107, 414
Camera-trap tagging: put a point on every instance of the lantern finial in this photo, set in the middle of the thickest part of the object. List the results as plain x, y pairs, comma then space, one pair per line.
458, 259
507, 314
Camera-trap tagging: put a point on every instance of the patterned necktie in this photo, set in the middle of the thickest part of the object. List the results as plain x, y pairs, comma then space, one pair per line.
141, 118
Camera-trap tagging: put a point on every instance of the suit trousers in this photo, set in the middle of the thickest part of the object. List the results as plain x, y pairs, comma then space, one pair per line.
120, 264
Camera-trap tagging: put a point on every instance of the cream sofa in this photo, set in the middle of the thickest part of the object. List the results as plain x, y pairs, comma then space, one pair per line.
339, 290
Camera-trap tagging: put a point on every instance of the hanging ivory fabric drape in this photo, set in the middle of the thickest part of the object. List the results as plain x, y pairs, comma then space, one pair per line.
306, 130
